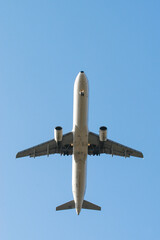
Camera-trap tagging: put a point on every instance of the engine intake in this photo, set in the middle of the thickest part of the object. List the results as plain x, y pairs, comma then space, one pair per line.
102, 134
58, 134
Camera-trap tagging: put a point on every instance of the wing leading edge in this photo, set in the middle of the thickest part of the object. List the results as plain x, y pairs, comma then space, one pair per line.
97, 147
50, 147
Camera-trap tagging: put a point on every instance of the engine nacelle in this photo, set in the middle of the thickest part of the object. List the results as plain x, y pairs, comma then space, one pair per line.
58, 134
103, 134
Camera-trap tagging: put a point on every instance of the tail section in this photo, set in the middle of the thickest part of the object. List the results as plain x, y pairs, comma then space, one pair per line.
65, 206
89, 205
85, 205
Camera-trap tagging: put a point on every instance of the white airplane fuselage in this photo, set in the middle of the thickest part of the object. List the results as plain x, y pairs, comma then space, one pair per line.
80, 139
77, 144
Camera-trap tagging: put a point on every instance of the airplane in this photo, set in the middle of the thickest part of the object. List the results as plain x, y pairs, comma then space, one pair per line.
79, 143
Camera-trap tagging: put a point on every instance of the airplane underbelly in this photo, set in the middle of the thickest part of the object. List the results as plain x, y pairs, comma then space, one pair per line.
80, 140
78, 181
79, 162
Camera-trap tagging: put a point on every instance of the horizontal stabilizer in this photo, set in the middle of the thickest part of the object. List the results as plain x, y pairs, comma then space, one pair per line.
89, 205
65, 206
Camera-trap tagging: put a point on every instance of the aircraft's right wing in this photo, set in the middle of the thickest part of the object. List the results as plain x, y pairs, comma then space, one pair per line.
96, 147
50, 147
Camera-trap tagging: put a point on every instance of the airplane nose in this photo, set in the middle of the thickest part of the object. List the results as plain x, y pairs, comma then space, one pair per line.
81, 82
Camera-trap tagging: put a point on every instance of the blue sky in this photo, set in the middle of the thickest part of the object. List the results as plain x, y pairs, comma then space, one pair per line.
43, 46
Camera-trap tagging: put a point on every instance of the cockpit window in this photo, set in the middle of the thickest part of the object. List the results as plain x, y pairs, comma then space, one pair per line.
81, 92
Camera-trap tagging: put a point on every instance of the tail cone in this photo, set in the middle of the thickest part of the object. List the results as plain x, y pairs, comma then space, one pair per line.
78, 211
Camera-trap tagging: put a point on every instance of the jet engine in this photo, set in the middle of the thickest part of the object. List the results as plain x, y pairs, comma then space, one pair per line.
102, 134
58, 134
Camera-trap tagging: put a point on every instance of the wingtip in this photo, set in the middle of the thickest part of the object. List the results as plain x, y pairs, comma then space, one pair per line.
18, 155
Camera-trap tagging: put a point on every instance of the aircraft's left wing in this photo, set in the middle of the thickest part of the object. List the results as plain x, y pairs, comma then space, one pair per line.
97, 147
50, 147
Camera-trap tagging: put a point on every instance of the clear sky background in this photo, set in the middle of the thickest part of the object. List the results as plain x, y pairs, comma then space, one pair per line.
43, 46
